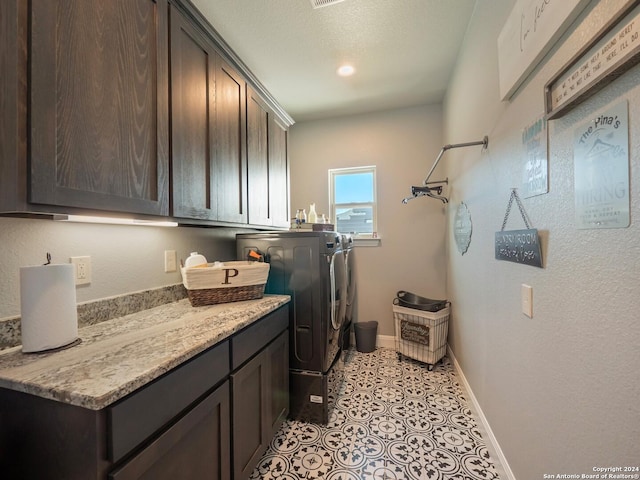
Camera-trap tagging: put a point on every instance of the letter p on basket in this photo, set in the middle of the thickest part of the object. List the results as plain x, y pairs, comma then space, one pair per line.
228, 275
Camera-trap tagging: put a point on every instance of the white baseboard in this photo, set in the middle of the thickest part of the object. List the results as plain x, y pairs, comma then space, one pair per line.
493, 446
386, 341
382, 341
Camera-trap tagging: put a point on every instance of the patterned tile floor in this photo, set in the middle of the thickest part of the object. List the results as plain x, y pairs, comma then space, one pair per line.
393, 420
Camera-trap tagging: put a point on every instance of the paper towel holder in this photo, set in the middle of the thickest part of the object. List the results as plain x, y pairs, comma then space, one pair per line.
48, 308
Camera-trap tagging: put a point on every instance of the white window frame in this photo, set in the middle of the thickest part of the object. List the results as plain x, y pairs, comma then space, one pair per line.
335, 172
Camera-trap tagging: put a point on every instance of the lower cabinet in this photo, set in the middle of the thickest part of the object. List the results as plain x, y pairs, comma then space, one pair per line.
210, 418
250, 406
197, 446
260, 397
278, 358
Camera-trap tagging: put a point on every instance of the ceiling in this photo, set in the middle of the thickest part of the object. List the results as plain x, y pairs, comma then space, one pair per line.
403, 51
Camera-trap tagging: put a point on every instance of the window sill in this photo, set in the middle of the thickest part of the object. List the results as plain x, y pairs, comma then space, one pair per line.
367, 242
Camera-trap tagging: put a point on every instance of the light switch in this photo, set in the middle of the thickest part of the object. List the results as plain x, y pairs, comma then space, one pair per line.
527, 300
170, 263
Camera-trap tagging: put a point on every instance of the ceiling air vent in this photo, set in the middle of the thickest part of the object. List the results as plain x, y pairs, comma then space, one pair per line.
323, 3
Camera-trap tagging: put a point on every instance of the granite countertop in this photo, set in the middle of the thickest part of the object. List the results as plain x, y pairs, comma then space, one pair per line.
118, 356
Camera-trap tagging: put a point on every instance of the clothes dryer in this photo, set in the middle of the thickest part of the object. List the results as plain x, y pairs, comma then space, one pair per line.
311, 268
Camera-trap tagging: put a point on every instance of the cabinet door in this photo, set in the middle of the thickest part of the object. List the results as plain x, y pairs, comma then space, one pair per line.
278, 360
197, 446
278, 174
192, 99
13, 101
267, 163
258, 159
99, 104
230, 165
250, 411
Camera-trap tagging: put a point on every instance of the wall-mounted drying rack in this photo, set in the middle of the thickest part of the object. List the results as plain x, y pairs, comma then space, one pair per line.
434, 189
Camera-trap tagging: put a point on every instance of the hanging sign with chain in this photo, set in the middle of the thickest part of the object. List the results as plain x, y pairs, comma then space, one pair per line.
519, 246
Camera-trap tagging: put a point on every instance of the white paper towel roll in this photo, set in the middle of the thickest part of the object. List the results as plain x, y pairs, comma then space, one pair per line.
48, 309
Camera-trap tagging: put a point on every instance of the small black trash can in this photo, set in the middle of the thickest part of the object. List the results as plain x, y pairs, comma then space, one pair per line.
366, 333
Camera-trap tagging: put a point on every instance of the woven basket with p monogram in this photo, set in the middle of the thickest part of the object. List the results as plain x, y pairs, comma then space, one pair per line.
230, 282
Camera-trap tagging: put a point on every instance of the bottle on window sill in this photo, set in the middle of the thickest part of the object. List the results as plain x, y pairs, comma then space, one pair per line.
301, 217
313, 216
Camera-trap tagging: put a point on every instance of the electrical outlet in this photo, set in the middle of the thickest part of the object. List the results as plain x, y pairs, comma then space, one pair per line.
83, 269
170, 262
527, 300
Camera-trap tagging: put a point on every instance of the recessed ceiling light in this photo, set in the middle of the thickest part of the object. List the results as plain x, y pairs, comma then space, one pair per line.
324, 3
346, 70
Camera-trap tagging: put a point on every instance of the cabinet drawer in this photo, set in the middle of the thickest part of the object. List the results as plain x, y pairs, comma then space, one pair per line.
135, 418
255, 337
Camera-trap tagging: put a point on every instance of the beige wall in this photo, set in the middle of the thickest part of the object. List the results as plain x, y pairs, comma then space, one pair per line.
402, 144
561, 390
124, 259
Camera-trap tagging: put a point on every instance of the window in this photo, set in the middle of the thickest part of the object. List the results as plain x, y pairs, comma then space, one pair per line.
352, 195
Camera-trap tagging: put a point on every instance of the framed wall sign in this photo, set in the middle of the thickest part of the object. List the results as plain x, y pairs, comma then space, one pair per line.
533, 27
601, 170
610, 53
536, 163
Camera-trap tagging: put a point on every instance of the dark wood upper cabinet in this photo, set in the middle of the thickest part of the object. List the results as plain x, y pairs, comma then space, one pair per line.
208, 118
13, 104
193, 61
98, 136
230, 166
135, 107
258, 159
278, 173
267, 165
